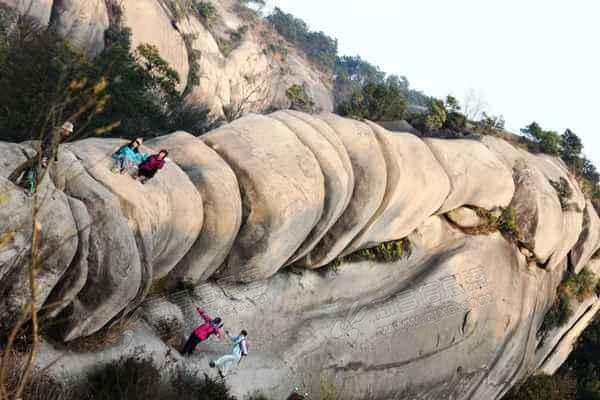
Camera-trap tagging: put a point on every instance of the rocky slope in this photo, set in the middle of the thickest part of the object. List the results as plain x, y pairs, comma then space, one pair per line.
245, 74
263, 204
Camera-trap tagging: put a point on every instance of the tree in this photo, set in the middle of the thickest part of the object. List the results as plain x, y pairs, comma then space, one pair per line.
571, 147
489, 123
547, 141
317, 45
138, 97
474, 105
375, 101
452, 104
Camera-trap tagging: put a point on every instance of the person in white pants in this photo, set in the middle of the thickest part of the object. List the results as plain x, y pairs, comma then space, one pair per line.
239, 350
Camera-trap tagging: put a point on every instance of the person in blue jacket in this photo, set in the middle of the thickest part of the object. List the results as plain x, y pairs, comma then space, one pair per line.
239, 350
128, 156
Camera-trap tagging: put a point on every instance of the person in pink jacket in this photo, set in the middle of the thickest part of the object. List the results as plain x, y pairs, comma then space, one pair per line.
201, 333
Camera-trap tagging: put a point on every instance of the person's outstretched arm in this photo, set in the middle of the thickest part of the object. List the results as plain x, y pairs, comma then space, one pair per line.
205, 316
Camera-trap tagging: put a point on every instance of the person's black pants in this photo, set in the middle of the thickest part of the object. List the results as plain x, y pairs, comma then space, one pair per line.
191, 344
147, 174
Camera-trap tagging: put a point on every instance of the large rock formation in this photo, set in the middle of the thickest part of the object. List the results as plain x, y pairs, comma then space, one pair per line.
259, 199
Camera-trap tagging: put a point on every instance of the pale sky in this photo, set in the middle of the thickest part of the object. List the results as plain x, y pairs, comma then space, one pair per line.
531, 59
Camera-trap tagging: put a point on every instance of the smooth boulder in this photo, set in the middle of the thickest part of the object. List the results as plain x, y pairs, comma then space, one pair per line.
82, 23
283, 193
416, 188
477, 177
221, 203
370, 178
336, 177
589, 241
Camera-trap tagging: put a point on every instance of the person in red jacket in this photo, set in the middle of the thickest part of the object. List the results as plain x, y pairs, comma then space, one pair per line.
151, 165
201, 333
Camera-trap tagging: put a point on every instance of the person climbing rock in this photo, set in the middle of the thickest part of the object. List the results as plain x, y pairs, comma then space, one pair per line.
51, 142
201, 333
239, 350
128, 156
28, 180
31, 172
151, 165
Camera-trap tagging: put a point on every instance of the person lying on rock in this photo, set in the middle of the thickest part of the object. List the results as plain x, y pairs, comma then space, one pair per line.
201, 333
150, 167
128, 156
239, 350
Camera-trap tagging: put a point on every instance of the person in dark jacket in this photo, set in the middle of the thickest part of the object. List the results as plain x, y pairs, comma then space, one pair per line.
150, 167
211, 326
51, 141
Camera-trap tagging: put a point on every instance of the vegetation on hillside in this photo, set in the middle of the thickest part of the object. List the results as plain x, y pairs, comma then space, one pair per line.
122, 92
577, 379
575, 287
317, 46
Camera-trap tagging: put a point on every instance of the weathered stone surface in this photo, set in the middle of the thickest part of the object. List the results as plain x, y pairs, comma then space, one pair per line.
466, 217
589, 240
39, 9
564, 348
249, 75
82, 23
399, 126
470, 165
336, 177
114, 271
555, 352
166, 319
458, 318
410, 165
57, 238
163, 212
538, 211
221, 203
74, 279
150, 24
282, 190
554, 170
370, 177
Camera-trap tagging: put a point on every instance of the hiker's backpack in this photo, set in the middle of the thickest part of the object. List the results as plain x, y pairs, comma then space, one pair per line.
244, 347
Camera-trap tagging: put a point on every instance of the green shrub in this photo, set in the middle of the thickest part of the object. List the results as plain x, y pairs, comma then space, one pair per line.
233, 41
507, 224
317, 46
433, 119
136, 91
387, 252
376, 102
563, 190
489, 124
543, 141
559, 313
139, 379
579, 286
328, 390
544, 387
299, 99
208, 11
